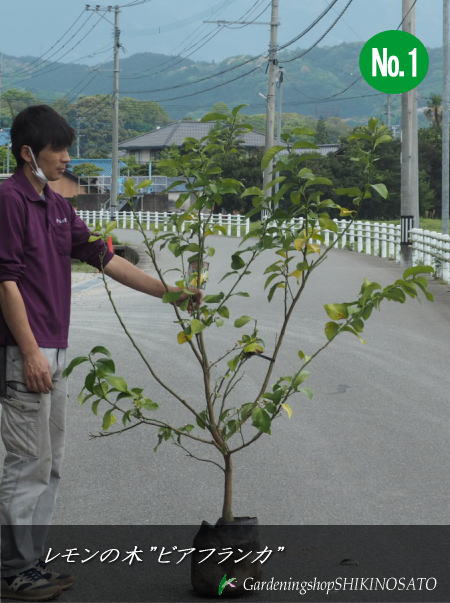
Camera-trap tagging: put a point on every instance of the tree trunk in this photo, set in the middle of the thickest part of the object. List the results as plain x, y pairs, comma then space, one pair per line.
227, 512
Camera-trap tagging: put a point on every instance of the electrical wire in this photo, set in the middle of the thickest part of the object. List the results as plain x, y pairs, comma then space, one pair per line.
355, 81
250, 22
327, 31
310, 26
36, 60
180, 59
209, 89
45, 69
243, 63
27, 71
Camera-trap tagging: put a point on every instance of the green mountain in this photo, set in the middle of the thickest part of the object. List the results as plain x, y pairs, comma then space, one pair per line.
322, 83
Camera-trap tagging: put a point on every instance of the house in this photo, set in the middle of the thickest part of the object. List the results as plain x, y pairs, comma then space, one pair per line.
147, 147
5, 138
69, 186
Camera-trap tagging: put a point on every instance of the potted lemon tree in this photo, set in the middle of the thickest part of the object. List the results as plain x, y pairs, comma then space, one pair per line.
292, 242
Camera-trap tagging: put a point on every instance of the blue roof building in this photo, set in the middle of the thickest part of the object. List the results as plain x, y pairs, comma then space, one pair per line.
105, 165
5, 137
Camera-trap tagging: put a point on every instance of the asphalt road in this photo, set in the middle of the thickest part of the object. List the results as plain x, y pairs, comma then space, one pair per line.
371, 447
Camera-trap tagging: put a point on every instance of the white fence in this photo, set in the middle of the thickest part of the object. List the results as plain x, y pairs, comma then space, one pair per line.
232, 224
372, 238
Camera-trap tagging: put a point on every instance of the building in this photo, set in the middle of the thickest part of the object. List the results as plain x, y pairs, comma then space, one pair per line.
148, 147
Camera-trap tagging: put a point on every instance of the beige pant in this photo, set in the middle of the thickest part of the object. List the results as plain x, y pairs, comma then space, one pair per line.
32, 430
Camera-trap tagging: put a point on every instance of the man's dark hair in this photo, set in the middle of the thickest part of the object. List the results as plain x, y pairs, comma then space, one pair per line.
38, 126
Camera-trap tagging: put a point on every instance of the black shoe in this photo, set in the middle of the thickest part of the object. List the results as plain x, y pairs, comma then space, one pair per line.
29, 585
64, 581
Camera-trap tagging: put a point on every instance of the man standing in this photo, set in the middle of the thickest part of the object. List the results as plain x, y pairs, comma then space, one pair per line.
39, 233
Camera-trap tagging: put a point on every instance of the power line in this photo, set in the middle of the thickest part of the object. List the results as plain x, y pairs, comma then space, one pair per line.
327, 31
53, 45
45, 69
233, 67
246, 15
308, 29
355, 81
27, 71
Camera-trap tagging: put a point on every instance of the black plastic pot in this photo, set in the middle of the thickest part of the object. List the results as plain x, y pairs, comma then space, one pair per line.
240, 535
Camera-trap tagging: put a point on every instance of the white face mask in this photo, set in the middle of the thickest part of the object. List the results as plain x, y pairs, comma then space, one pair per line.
36, 170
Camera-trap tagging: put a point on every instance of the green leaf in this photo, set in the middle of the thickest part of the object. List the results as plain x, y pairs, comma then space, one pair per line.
89, 382
99, 349
308, 392
214, 116
196, 326
213, 299
261, 419
381, 189
275, 396
201, 419
300, 378
279, 285
415, 270
170, 297
149, 404
241, 321
269, 155
319, 180
326, 223
108, 419
351, 191
73, 363
350, 329
224, 312
94, 406
237, 262
331, 330
233, 363
252, 191
336, 311
395, 294
82, 397
105, 366
118, 383
246, 410
381, 139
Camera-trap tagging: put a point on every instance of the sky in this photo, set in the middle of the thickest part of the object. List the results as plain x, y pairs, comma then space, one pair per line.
38, 27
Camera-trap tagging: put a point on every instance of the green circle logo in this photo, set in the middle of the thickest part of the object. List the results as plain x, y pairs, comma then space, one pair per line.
393, 62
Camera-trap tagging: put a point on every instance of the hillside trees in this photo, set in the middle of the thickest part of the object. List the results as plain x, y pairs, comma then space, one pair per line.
90, 116
12, 102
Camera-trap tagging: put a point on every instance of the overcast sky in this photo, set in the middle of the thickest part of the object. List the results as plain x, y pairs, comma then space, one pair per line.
32, 27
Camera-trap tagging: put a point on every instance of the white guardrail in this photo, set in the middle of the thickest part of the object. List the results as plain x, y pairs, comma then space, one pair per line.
372, 238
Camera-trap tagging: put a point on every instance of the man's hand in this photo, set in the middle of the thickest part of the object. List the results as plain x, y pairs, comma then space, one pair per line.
36, 370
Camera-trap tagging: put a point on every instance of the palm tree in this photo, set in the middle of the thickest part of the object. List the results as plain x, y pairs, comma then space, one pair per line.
433, 112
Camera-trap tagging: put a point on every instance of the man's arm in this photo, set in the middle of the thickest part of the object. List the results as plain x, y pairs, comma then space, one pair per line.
35, 365
126, 273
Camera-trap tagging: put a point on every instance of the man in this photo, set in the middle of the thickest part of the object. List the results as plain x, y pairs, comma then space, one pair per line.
39, 233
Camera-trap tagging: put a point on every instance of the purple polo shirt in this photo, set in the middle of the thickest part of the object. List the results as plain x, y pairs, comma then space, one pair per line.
37, 239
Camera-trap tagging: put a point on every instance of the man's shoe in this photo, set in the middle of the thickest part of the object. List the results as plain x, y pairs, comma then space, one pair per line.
64, 581
29, 585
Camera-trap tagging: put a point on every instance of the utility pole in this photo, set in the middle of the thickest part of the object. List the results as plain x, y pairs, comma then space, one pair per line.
274, 77
280, 103
445, 122
115, 110
271, 94
409, 207
389, 111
